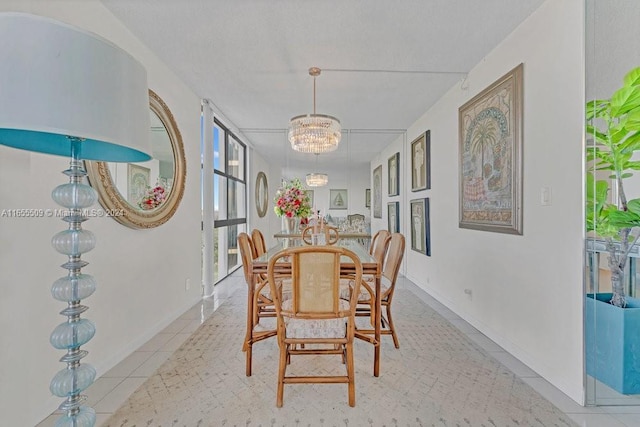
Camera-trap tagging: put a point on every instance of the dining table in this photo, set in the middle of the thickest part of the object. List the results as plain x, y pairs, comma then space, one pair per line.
370, 266
362, 238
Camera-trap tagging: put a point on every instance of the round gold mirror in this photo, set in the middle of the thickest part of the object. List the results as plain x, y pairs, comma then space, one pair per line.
145, 194
262, 194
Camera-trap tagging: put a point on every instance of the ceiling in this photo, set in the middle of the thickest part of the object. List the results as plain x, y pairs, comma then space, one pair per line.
384, 62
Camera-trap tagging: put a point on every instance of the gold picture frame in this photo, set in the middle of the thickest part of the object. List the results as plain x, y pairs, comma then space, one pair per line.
129, 213
262, 194
490, 156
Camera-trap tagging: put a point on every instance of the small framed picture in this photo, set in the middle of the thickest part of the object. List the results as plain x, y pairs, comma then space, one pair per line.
138, 178
377, 192
338, 199
367, 198
309, 193
393, 217
420, 238
420, 162
394, 175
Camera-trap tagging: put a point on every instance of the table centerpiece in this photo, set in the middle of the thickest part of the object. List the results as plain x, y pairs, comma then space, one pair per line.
292, 203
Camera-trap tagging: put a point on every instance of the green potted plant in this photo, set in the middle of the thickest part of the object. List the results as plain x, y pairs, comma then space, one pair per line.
613, 319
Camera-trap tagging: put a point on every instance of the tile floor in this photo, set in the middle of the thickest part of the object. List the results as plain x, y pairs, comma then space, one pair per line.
114, 387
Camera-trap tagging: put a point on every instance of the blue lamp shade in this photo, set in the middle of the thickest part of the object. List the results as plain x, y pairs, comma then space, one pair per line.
58, 81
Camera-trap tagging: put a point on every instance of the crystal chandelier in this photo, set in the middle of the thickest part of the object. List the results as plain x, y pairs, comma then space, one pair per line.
317, 179
314, 133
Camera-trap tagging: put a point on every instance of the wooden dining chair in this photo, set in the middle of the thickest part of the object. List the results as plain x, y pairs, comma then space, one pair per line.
259, 302
315, 320
366, 300
381, 238
377, 249
307, 235
259, 245
354, 218
331, 235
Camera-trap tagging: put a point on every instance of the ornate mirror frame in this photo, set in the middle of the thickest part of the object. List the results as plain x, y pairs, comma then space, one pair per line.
111, 199
262, 194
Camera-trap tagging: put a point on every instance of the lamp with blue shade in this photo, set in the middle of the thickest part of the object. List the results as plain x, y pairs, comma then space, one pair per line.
68, 92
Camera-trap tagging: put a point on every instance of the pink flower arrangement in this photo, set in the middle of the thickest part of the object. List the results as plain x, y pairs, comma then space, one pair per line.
152, 198
292, 201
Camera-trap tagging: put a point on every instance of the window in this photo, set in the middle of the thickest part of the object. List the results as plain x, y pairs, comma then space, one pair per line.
229, 199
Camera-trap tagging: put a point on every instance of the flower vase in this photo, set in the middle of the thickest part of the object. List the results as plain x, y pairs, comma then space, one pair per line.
291, 225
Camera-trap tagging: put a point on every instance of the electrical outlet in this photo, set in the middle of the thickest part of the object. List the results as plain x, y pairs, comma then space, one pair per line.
545, 196
187, 284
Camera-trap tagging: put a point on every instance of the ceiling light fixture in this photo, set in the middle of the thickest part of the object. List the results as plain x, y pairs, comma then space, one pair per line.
317, 179
314, 133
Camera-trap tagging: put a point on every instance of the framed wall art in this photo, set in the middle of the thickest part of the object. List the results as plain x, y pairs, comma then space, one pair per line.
367, 198
262, 194
137, 182
490, 156
420, 230
377, 192
421, 162
338, 199
310, 194
393, 217
394, 175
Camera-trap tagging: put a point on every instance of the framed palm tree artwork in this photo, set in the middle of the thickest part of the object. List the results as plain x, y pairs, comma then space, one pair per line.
490, 156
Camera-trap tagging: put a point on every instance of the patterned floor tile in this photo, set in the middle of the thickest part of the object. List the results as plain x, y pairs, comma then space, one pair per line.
438, 377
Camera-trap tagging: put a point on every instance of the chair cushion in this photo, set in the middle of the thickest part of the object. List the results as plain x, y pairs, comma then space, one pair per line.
385, 284
286, 290
345, 288
315, 328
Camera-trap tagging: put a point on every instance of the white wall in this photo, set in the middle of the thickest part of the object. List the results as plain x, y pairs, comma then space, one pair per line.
612, 36
527, 292
140, 273
270, 223
354, 179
